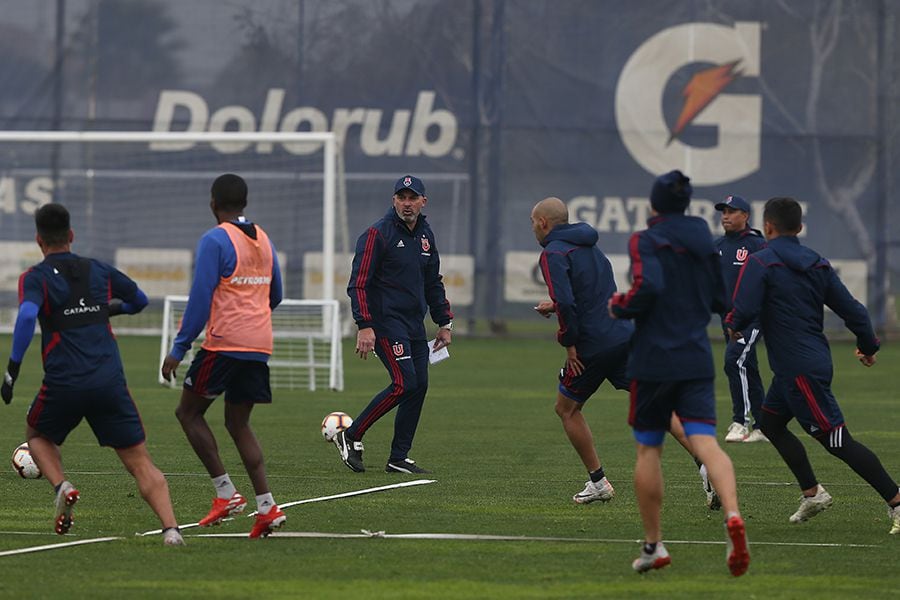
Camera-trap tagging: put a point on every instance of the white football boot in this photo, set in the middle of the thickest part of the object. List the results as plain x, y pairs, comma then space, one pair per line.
810, 506
736, 433
592, 492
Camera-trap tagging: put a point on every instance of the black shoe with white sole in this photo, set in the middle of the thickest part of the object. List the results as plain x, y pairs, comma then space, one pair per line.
351, 451
407, 465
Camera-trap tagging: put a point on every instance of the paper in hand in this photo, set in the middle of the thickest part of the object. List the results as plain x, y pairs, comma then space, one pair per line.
436, 357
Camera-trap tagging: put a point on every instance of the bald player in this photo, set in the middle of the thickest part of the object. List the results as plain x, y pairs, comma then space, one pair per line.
580, 282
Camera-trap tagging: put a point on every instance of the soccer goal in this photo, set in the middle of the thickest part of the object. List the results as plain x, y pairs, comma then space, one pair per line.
307, 343
140, 201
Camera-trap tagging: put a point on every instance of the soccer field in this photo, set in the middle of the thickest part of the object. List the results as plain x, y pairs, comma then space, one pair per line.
503, 467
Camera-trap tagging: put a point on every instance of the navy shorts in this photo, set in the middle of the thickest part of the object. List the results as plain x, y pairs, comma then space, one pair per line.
110, 411
212, 373
807, 398
653, 402
609, 365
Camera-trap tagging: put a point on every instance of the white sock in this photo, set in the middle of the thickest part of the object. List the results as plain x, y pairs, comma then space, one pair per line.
264, 503
224, 488
731, 514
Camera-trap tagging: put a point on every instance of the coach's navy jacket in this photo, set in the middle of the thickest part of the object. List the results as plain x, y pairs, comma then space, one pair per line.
785, 286
396, 278
677, 284
734, 248
580, 281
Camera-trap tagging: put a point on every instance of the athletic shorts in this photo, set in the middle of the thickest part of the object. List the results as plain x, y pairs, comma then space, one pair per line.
110, 411
807, 398
609, 365
212, 373
653, 402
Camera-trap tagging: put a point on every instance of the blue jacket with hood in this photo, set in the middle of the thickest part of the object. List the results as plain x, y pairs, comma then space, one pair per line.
580, 280
786, 286
677, 284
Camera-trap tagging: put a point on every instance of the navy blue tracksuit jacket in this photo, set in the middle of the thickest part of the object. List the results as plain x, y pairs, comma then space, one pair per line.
734, 248
580, 281
396, 279
786, 286
677, 284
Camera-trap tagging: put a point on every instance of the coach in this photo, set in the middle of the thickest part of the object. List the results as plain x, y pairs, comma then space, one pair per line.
395, 280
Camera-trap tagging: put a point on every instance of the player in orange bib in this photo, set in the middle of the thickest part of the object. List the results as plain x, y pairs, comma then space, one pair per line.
237, 284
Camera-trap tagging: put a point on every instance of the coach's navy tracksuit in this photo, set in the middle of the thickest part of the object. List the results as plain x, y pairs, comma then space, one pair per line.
580, 282
395, 280
785, 286
677, 284
741, 365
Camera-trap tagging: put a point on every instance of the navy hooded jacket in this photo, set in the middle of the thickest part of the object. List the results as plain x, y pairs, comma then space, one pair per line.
677, 284
786, 286
396, 278
580, 281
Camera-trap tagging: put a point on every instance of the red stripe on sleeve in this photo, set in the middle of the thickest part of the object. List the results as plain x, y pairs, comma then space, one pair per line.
363, 275
637, 272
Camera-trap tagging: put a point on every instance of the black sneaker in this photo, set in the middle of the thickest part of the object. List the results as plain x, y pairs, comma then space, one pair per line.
351, 451
407, 465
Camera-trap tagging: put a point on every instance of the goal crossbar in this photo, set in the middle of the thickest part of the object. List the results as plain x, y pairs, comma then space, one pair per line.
328, 139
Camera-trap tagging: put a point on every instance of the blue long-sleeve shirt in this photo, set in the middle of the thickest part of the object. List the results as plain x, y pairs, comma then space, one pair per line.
580, 281
677, 284
396, 278
786, 286
85, 357
216, 258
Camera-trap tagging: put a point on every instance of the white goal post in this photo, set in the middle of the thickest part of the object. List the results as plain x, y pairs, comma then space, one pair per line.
307, 343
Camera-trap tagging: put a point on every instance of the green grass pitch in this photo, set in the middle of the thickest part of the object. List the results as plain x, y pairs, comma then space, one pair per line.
503, 467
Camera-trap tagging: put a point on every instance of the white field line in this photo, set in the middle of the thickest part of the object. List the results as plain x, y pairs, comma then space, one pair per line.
382, 488
185, 526
673, 481
58, 546
320, 499
506, 538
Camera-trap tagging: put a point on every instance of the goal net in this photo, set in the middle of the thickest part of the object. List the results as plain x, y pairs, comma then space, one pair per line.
307, 343
140, 201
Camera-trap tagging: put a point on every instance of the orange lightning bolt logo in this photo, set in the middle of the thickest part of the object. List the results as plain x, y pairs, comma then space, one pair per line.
702, 89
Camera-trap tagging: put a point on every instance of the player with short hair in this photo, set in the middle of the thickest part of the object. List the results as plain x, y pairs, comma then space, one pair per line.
741, 365
73, 298
677, 284
237, 284
786, 286
396, 278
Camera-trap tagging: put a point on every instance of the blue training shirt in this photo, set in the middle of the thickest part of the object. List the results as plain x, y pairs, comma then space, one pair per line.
215, 259
85, 357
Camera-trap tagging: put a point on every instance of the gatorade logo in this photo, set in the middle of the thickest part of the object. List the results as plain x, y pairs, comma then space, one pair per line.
728, 54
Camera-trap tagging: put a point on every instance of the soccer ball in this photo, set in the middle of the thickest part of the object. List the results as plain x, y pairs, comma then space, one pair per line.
23, 462
334, 423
